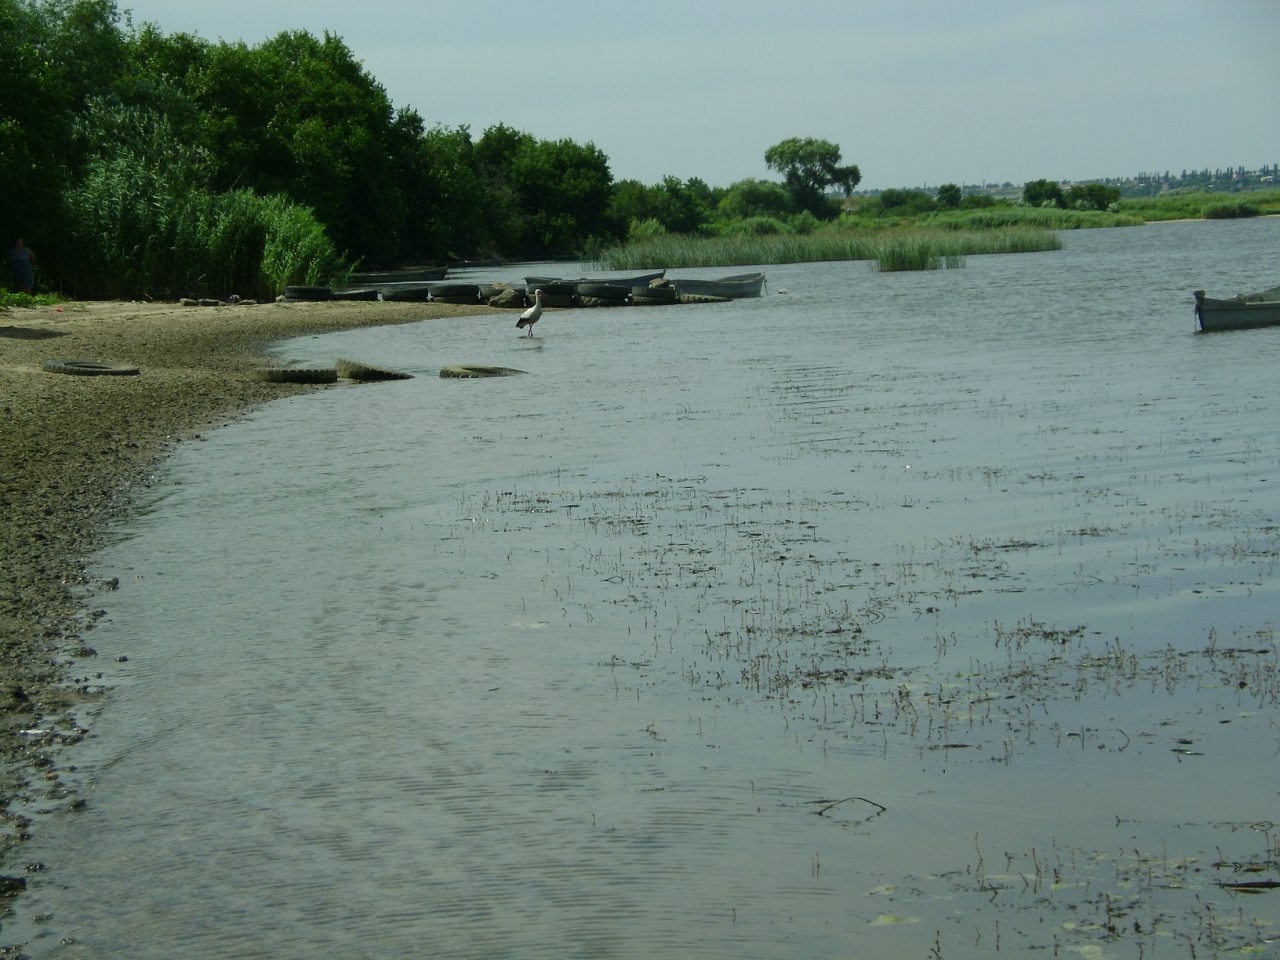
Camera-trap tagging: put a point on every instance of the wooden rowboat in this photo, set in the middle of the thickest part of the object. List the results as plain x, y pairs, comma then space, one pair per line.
549, 284
408, 275
735, 287
1239, 313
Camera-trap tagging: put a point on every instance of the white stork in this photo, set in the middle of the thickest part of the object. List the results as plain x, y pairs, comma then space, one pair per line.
530, 316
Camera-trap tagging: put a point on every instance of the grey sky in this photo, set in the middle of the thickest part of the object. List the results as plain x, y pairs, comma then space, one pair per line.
916, 92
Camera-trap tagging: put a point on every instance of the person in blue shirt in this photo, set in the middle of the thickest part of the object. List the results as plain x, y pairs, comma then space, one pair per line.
21, 260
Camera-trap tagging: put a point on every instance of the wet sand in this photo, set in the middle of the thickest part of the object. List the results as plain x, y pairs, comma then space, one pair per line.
76, 449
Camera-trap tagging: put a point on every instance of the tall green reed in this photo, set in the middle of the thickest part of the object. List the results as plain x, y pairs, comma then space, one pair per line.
894, 249
139, 234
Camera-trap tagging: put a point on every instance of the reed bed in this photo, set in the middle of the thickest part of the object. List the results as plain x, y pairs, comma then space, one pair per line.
1231, 210
1194, 205
1044, 218
917, 249
139, 232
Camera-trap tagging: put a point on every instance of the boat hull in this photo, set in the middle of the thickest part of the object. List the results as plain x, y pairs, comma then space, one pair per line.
1241, 313
413, 275
735, 287
552, 282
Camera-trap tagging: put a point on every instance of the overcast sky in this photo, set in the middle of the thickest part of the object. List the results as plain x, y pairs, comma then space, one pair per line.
916, 92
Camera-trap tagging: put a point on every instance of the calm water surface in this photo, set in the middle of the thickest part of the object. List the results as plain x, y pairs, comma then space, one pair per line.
885, 614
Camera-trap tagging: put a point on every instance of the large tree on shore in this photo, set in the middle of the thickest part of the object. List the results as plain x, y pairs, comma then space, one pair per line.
809, 168
554, 193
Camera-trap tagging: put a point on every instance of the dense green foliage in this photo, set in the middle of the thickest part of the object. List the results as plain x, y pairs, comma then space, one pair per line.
1229, 211
1044, 218
1082, 196
138, 163
1195, 204
810, 167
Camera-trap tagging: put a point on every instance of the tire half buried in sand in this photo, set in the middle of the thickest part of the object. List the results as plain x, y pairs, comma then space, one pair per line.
297, 374
91, 368
355, 370
473, 371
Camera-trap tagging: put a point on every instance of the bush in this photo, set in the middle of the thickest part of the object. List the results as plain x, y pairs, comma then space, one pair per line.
803, 223
1229, 211
138, 234
753, 227
647, 229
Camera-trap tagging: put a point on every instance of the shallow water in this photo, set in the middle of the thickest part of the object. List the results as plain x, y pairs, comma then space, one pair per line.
885, 614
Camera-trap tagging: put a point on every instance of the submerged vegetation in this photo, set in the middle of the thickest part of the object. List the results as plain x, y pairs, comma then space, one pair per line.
144, 164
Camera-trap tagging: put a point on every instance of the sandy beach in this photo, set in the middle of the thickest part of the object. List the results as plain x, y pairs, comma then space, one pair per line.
76, 449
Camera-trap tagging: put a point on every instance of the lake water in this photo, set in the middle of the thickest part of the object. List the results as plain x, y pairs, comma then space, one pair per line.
887, 615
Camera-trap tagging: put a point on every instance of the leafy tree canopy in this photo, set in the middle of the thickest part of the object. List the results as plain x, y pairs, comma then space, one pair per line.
680, 206
1091, 196
1042, 193
755, 198
1081, 196
949, 195
809, 167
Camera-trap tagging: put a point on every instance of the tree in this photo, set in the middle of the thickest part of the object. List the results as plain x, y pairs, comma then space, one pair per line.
949, 195
563, 191
809, 167
1042, 193
679, 206
299, 115
554, 195
755, 198
449, 212
1091, 196
906, 203
56, 56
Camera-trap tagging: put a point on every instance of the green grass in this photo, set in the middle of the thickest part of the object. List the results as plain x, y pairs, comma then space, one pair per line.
1232, 210
895, 249
925, 242
1044, 218
1197, 204
12, 298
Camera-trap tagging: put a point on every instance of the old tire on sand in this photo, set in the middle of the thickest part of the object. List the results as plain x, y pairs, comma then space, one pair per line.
355, 370
472, 371
296, 374
91, 368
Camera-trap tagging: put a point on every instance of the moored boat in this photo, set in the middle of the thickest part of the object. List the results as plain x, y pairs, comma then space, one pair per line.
408, 275
596, 289
451, 292
627, 282
405, 291
356, 293
735, 287
550, 286
664, 293
1239, 313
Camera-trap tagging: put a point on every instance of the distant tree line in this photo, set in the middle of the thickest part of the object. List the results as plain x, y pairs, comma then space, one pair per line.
1219, 180
141, 162
1080, 196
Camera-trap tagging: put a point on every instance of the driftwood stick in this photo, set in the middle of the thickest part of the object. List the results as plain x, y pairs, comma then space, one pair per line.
881, 808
